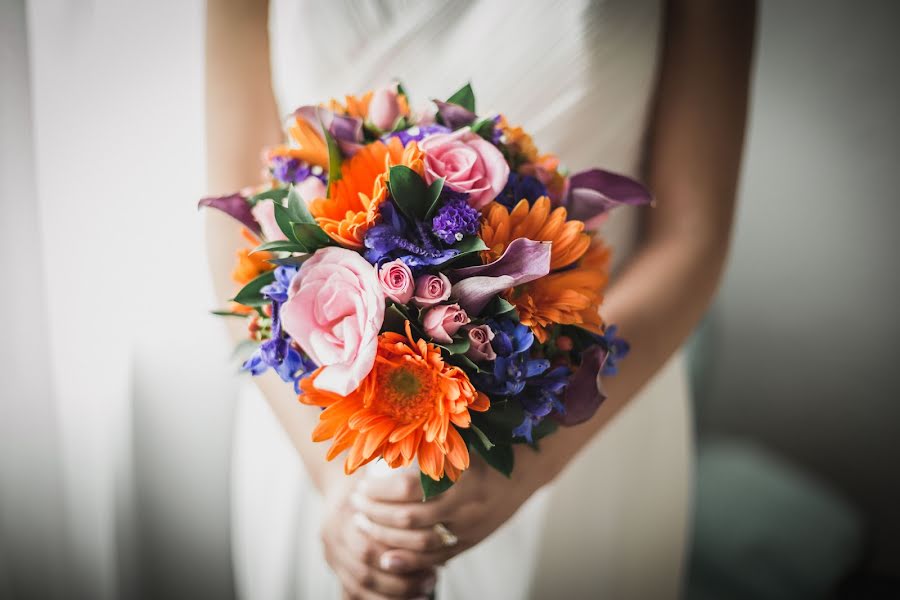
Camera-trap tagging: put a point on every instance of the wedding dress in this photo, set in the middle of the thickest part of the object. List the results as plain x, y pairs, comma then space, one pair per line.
578, 75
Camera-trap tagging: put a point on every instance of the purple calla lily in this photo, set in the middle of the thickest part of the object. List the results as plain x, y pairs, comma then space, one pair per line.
583, 395
454, 115
524, 260
347, 131
235, 206
594, 192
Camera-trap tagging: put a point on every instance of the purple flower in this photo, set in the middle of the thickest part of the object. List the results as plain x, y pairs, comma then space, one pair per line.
513, 366
519, 187
288, 169
541, 397
416, 133
455, 219
395, 237
277, 291
616, 349
277, 353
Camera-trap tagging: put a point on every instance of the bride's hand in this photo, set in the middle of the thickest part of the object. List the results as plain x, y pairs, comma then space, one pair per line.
355, 556
393, 514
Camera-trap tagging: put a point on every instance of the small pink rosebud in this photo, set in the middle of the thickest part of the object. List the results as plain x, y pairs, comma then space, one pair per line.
431, 290
397, 281
384, 109
443, 321
480, 343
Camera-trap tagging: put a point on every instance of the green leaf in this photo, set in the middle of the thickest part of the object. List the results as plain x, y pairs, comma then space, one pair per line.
431, 488
250, 294
482, 437
498, 456
311, 236
334, 160
464, 362
276, 194
228, 313
297, 208
467, 246
290, 261
457, 346
498, 306
484, 128
283, 218
465, 97
279, 246
433, 195
409, 192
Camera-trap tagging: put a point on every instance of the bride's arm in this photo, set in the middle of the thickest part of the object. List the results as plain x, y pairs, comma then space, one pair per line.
694, 157
241, 119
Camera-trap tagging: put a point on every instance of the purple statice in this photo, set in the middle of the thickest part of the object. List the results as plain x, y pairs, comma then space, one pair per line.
396, 237
288, 169
455, 219
519, 187
416, 133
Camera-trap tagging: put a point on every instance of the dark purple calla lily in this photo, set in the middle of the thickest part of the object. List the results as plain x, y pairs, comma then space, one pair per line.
524, 260
594, 192
235, 206
454, 115
347, 131
583, 394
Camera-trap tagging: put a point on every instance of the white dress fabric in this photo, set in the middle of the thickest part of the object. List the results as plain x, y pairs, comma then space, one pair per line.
579, 76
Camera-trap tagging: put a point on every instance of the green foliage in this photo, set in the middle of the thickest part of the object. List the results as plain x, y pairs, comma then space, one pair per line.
484, 128
465, 97
250, 294
496, 453
280, 246
409, 192
228, 313
431, 488
433, 196
277, 195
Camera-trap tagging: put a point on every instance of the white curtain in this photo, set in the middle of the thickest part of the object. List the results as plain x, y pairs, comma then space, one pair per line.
116, 388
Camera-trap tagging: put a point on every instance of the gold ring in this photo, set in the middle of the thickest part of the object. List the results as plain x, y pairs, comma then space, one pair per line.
448, 539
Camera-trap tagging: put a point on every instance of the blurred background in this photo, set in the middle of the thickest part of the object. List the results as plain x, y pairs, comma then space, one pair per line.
117, 391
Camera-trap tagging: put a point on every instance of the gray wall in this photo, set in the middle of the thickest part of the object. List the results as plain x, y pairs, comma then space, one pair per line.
801, 343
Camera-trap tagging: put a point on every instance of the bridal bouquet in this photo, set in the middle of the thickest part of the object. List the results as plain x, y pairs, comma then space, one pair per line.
429, 279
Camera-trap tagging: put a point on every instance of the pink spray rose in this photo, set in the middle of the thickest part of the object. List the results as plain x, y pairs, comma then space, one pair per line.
396, 281
441, 322
469, 164
264, 213
480, 343
431, 290
334, 311
384, 109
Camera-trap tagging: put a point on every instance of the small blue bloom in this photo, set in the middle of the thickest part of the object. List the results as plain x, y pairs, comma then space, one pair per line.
288, 169
278, 290
616, 349
519, 187
277, 353
455, 219
416, 133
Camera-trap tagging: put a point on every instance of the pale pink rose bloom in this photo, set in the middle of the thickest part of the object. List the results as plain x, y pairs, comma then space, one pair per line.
480, 343
384, 109
397, 281
310, 189
469, 164
431, 290
442, 322
264, 213
334, 311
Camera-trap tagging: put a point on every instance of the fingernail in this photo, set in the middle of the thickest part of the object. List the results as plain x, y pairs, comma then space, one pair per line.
362, 522
390, 563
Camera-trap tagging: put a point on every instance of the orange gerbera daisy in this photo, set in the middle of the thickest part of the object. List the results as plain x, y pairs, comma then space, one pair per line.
353, 106
519, 141
308, 146
249, 266
535, 222
571, 297
354, 198
407, 407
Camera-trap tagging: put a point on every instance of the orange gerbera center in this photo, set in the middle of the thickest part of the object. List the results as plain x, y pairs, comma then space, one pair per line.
408, 407
354, 199
535, 222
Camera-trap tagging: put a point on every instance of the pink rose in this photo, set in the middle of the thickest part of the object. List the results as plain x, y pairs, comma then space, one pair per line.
432, 289
396, 281
334, 311
264, 213
480, 343
441, 322
469, 164
384, 109
310, 189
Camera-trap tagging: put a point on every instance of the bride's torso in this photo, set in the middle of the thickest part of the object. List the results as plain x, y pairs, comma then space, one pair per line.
578, 75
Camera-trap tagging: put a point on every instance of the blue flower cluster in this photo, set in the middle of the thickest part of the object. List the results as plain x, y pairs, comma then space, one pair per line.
277, 352
517, 376
416, 133
288, 169
519, 187
397, 237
